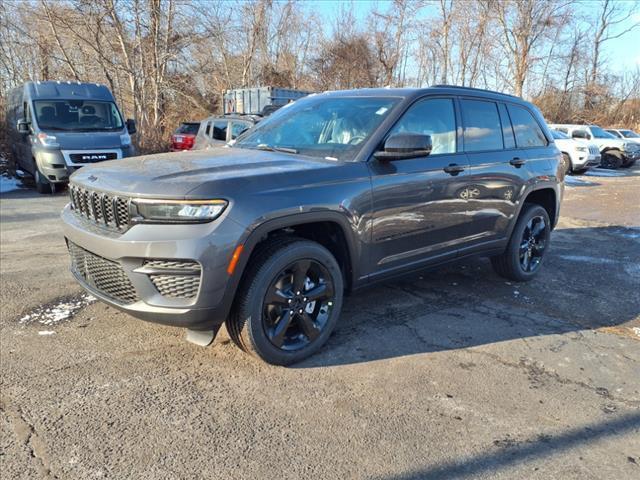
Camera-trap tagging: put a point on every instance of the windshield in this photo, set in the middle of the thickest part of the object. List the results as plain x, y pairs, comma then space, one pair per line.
629, 134
334, 127
188, 128
559, 135
77, 115
597, 132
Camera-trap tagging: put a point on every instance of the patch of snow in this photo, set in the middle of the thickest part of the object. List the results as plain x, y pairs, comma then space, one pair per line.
633, 269
46, 332
9, 184
636, 330
632, 233
58, 312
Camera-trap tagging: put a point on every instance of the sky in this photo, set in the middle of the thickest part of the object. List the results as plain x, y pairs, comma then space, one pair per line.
623, 53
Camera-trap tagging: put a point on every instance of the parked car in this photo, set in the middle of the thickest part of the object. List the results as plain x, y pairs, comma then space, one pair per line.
217, 131
615, 152
577, 155
334, 193
184, 137
57, 127
625, 134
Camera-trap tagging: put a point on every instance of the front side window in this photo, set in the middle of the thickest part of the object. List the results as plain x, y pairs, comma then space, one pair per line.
482, 127
238, 127
434, 117
559, 135
528, 132
321, 126
77, 115
598, 132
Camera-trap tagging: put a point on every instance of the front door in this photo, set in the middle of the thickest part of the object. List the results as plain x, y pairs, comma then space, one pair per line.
418, 213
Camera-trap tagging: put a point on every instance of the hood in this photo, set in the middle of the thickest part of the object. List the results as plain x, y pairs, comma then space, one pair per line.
87, 140
175, 175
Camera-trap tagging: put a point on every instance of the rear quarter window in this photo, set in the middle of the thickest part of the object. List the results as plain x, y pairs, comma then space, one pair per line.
528, 132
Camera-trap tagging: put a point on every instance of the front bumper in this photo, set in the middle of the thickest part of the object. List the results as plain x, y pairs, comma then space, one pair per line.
583, 160
211, 245
57, 166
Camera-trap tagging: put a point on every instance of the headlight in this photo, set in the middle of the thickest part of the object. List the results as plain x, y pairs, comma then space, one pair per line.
582, 149
48, 140
125, 140
178, 211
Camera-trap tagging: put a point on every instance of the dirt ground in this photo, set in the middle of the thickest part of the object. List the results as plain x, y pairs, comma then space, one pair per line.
449, 374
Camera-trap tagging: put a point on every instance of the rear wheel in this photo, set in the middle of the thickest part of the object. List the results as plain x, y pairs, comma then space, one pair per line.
529, 241
289, 302
42, 184
612, 159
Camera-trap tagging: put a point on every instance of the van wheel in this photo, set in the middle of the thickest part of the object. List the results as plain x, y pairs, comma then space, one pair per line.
529, 242
42, 184
288, 303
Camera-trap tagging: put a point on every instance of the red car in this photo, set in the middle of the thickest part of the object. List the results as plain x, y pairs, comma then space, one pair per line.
184, 136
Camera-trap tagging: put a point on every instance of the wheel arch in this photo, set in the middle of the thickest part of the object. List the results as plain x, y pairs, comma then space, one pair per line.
547, 198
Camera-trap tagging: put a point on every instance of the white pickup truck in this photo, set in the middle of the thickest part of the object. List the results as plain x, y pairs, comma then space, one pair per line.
615, 152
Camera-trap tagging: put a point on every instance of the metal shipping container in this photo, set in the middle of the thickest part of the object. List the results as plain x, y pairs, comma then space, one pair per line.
252, 101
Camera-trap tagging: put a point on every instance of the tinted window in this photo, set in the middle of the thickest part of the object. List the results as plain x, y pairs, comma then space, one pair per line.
507, 131
482, 127
597, 132
629, 134
559, 135
220, 130
434, 117
528, 132
563, 130
207, 131
188, 128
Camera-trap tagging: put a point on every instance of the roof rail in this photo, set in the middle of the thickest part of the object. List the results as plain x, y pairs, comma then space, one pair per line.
473, 88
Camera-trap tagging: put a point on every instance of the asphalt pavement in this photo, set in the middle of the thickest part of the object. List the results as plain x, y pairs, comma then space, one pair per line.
452, 373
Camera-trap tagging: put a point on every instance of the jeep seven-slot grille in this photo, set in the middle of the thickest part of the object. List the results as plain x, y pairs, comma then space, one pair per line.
181, 280
101, 208
105, 276
594, 150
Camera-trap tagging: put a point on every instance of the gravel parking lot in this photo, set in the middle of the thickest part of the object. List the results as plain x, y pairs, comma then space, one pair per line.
452, 373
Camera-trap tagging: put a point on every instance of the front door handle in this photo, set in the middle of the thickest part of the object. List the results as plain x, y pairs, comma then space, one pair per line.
453, 169
517, 162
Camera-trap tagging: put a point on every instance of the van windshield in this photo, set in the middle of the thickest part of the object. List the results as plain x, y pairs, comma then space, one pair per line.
77, 115
334, 127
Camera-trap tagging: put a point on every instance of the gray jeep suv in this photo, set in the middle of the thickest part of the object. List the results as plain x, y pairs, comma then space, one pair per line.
328, 195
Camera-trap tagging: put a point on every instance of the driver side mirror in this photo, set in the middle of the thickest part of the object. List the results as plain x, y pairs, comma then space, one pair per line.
22, 126
402, 146
131, 126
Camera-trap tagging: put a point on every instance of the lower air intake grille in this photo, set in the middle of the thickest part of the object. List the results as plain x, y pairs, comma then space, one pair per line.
106, 276
182, 278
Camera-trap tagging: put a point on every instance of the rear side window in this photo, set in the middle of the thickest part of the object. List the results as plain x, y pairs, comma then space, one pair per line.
188, 128
238, 127
528, 132
434, 117
482, 127
220, 130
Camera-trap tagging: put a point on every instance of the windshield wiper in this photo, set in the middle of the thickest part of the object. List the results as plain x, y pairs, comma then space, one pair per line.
269, 148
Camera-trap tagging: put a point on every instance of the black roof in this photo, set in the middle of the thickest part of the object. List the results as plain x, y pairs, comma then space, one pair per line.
68, 90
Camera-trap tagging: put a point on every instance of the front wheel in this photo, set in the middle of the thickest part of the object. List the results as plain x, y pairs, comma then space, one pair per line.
289, 301
529, 242
612, 160
566, 164
42, 184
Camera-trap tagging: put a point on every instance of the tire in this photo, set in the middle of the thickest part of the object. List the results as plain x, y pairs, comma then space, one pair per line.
566, 164
279, 270
42, 184
611, 159
580, 172
524, 242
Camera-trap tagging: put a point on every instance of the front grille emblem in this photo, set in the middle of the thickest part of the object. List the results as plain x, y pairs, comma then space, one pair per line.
92, 178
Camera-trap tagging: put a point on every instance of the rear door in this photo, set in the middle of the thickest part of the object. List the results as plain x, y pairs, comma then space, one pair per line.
418, 213
497, 171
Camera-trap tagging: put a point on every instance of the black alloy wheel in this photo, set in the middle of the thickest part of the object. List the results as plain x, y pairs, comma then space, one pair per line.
298, 304
533, 243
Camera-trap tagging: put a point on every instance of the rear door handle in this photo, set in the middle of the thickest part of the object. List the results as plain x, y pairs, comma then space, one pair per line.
517, 162
453, 169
